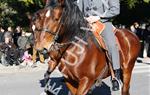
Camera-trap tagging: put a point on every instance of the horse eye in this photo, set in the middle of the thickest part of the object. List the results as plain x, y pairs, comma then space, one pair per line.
56, 19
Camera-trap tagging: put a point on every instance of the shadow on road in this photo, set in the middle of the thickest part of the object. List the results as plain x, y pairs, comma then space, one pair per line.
145, 60
58, 87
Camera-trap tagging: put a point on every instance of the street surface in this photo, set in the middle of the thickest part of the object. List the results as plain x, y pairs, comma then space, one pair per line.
30, 82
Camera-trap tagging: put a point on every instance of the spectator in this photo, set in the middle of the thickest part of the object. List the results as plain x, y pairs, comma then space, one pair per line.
9, 29
8, 35
146, 36
148, 39
134, 27
17, 34
30, 41
22, 42
143, 33
2, 31
27, 59
8, 48
1, 38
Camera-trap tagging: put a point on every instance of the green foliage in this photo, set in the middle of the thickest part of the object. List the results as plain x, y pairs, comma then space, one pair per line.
132, 3
146, 1
6, 14
14, 12
31, 2
27, 2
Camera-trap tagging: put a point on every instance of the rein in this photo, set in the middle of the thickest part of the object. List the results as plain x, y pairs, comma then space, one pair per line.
55, 45
46, 30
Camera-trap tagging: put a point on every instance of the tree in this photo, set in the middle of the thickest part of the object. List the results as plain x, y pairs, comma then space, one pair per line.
6, 14
133, 3
133, 10
14, 12
33, 2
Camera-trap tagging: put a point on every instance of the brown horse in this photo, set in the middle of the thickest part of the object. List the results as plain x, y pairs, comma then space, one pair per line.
75, 51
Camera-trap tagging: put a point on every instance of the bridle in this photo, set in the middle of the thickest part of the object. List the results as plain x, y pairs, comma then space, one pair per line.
54, 45
45, 30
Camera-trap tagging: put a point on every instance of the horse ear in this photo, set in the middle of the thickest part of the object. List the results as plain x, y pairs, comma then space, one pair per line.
46, 1
29, 15
61, 1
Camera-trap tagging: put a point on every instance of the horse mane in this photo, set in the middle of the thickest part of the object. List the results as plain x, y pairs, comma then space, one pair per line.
39, 15
73, 20
36, 15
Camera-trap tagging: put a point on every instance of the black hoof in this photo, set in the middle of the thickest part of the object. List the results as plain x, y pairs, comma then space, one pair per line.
46, 78
115, 85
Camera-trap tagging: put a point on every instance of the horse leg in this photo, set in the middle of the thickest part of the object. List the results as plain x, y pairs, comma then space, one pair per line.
84, 86
51, 66
46, 76
41, 58
126, 82
127, 72
71, 88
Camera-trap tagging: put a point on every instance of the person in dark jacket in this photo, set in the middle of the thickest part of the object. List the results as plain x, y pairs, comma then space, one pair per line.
8, 48
2, 31
22, 42
17, 34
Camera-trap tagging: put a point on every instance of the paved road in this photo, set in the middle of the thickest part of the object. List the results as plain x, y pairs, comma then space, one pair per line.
140, 83
29, 83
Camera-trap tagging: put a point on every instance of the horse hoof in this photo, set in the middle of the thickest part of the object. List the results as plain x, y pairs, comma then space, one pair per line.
46, 80
115, 85
43, 93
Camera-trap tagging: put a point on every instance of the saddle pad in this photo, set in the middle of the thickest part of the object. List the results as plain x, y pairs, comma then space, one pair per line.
99, 27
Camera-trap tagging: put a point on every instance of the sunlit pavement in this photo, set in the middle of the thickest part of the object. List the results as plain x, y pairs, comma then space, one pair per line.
30, 83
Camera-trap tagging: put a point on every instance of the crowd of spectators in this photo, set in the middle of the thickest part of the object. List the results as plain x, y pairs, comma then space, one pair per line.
143, 32
16, 48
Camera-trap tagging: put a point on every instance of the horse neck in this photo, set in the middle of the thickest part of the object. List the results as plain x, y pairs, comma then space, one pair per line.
72, 20
68, 35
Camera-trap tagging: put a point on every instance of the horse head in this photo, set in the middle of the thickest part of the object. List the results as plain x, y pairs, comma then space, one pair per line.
50, 24
45, 23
